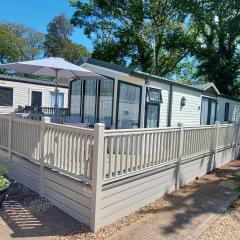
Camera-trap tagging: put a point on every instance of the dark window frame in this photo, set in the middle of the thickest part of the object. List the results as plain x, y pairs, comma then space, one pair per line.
226, 112
155, 103
118, 96
11, 100
97, 97
210, 100
32, 97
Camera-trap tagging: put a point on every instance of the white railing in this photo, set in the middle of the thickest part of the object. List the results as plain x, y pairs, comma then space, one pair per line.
4, 131
25, 138
63, 148
69, 149
129, 152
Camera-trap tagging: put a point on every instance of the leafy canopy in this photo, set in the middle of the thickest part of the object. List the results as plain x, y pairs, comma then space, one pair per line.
217, 46
58, 44
135, 32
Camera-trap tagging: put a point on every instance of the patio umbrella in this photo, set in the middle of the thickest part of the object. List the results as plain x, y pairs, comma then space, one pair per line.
54, 67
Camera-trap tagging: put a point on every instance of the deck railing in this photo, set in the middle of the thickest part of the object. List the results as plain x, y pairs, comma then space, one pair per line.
128, 152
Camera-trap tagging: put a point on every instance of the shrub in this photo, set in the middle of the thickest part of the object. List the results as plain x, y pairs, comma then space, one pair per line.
4, 182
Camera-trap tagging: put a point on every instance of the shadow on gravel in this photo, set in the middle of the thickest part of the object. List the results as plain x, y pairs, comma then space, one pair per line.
27, 215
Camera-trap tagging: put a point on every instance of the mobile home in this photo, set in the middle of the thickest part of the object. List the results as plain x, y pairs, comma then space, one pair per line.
18, 92
132, 99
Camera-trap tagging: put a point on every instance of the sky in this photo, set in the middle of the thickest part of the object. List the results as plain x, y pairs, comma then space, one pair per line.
37, 13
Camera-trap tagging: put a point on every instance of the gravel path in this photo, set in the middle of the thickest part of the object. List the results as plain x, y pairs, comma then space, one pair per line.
226, 227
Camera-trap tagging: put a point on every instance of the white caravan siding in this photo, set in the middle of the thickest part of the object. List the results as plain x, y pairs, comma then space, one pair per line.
189, 114
234, 109
22, 94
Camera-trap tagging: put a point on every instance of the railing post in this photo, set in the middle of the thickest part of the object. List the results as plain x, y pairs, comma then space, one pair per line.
41, 160
10, 165
180, 151
215, 147
97, 167
237, 140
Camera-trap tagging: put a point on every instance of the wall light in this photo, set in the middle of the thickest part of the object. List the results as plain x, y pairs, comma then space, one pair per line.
183, 101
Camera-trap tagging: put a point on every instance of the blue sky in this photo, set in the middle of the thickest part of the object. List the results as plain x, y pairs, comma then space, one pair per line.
37, 13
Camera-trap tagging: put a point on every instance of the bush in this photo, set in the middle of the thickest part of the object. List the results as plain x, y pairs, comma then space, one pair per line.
4, 182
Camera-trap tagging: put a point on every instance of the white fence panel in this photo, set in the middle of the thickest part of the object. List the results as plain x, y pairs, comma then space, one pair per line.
4, 127
227, 135
25, 137
198, 140
69, 149
128, 151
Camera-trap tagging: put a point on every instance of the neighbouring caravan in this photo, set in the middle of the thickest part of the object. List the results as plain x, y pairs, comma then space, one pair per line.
133, 99
18, 92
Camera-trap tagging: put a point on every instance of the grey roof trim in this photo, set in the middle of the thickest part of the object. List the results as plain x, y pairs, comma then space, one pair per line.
29, 80
133, 72
229, 97
205, 86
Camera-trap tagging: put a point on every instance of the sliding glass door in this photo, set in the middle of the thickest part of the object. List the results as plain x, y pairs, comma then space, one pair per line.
128, 105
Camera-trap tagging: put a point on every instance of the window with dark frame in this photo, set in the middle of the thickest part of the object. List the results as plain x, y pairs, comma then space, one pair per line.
6, 96
152, 107
36, 99
91, 100
226, 112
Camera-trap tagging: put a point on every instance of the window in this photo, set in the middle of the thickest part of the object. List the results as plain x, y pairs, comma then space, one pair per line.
208, 111
128, 105
60, 100
91, 100
6, 96
105, 102
36, 99
76, 99
154, 95
89, 105
226, 113
152, 108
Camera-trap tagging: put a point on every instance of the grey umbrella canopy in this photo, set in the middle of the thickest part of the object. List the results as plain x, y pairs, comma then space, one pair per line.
54, 67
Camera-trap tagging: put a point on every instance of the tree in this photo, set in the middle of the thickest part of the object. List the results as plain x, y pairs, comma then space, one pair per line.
10, 46
148, 35
32, 41
217, 46
58, 44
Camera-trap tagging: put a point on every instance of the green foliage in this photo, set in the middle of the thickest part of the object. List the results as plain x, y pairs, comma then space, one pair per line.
217, 45
31, 46
4, 182
148, 35
57, 42
10, 45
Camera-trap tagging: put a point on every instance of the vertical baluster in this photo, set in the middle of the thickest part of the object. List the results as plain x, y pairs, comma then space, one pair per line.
122, 155
126, 155
116, 148
110, 156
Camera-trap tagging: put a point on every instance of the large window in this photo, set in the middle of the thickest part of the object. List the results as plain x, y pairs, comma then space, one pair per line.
91, 101
152, 109
208, 111
6, 96
226, 112
128, 106
89, 106
75, 97
36, 99
105, 102
60, 99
